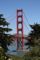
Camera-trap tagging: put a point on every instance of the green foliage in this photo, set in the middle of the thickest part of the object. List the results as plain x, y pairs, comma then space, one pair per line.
34, 53
4, 36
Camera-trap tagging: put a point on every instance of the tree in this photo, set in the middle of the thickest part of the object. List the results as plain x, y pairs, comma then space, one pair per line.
34, 53
35, 34
4, 36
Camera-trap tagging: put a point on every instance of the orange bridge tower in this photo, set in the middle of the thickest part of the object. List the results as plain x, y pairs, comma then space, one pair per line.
20, 43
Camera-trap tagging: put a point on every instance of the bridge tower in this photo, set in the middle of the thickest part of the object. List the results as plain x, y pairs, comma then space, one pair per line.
20, 42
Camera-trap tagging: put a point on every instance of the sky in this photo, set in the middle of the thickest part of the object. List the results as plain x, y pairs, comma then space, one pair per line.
31, 8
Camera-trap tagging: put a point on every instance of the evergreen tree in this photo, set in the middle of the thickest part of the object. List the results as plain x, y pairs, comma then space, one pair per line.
34, 53
4, 36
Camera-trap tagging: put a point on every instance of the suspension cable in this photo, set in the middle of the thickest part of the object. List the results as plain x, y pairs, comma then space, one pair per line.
26, 19
26, 26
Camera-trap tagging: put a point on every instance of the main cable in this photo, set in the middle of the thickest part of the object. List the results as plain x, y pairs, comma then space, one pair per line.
26, 19
26, 26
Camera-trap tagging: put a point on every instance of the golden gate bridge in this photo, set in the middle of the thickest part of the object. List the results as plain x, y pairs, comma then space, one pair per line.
19, 36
